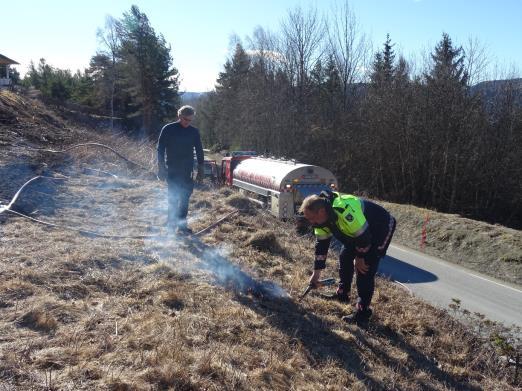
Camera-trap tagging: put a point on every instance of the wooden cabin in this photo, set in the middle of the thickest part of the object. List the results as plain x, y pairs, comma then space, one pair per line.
5, 80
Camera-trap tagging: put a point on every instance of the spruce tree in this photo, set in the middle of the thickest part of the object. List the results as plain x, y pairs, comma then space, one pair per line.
149, 77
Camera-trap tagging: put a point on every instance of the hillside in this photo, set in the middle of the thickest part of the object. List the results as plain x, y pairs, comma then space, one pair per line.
137, 309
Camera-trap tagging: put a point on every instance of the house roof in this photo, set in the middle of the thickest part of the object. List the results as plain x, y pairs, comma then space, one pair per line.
6, 60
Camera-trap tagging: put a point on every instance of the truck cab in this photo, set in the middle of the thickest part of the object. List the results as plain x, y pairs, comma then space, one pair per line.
230, 162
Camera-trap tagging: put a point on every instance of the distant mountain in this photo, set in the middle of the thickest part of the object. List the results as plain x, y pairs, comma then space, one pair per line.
489, 90
189, 96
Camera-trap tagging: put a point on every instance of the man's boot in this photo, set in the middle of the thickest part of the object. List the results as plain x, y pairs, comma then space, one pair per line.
183, 229
340, 295
361, 316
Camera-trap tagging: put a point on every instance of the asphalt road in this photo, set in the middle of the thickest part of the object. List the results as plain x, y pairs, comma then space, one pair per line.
438, 282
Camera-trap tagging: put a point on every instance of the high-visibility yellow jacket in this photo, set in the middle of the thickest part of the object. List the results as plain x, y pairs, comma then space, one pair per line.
357, 223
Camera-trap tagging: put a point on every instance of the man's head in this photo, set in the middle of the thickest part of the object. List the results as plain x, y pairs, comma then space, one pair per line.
186, 115
314, 209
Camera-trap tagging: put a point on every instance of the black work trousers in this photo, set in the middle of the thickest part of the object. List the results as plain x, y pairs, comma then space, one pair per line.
365, 282
179, 191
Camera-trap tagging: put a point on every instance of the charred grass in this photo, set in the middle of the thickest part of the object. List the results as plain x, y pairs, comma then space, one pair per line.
84, 312
89, 313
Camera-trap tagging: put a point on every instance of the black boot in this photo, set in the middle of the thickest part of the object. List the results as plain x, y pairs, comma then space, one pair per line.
340, 295
335, 297
361, 316
184, 230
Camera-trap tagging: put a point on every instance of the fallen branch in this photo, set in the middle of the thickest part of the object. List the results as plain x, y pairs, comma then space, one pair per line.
199, 233
8, 207
83, 231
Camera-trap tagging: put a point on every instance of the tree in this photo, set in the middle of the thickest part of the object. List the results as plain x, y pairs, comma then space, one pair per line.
448, 106
56, 85
103, 82
348, 47
229, 85
383, 66
386, 122
149, 77
112, 45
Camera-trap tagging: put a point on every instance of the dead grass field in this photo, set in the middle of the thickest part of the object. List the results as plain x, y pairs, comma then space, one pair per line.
220, 312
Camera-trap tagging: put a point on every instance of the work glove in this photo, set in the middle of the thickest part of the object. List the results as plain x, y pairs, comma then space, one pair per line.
201, 173
162, 173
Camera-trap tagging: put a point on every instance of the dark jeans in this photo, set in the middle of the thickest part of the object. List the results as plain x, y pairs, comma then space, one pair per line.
365, 282
179, 192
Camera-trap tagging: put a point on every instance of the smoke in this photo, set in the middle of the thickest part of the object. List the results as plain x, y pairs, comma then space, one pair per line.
230, 275
193, 256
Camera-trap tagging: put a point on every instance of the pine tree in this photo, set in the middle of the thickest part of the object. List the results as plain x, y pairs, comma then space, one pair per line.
230, 126
448, 107
383, 65
150, 78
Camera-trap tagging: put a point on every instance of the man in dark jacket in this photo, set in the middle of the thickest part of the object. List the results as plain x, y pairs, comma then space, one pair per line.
179, 139
365, 229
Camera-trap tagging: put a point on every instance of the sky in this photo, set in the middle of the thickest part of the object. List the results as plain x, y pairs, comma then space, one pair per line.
199, 31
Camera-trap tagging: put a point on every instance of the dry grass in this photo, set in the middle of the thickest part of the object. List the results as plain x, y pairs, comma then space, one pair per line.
487, 248
86, 313
265, 241
135, 314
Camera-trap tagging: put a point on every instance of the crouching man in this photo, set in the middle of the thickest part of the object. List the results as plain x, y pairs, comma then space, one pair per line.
365, 229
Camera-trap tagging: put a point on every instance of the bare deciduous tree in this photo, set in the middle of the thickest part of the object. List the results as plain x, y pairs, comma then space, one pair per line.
111, 43
476, 62
302, 34
348, 47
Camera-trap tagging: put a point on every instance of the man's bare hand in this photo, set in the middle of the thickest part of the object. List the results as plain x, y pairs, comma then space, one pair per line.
360, 265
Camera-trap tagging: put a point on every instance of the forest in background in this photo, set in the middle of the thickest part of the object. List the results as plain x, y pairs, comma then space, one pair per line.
434, 135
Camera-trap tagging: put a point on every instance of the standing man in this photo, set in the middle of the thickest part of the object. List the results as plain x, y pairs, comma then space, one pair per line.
179, 139
365, 229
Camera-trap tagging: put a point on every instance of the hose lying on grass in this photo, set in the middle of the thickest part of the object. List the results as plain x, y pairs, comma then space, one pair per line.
95, 145
7, 208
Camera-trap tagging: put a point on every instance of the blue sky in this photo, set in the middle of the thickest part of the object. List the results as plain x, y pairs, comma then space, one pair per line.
199, 31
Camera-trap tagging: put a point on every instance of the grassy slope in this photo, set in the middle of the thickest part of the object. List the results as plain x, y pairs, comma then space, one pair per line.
490, 249
94, 313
